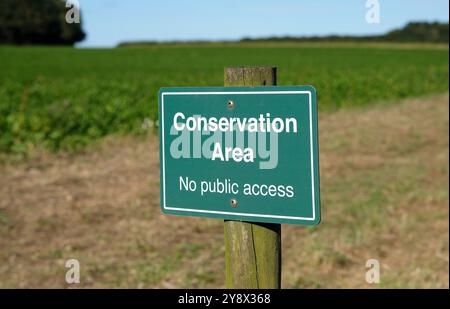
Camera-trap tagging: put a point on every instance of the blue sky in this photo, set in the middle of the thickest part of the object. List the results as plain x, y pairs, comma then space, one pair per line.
109, 22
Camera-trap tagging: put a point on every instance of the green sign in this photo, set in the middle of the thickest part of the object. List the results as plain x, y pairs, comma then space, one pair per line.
240, 153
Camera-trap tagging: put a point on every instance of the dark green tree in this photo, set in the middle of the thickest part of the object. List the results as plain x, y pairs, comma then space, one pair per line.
433, 32
37, 22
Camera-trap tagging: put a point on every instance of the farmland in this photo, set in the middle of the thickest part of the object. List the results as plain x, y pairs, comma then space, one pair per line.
64, 99
79, 168
384, 187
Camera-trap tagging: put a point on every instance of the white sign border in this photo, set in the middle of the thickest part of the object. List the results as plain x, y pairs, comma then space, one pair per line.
235, 213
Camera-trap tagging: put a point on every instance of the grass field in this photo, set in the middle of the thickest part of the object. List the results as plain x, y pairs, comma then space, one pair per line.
384, 183
60, 98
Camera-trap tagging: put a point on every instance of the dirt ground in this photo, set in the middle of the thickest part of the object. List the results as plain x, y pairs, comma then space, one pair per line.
384, 183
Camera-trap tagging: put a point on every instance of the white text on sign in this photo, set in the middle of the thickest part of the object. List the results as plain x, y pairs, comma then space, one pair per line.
245, 138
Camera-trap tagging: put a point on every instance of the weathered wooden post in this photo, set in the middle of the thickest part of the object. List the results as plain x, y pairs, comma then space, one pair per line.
282, 186
252, 250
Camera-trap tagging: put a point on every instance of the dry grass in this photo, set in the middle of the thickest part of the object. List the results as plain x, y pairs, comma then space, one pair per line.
384, 183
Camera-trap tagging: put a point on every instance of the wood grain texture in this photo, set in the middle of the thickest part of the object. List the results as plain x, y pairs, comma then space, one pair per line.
252, 250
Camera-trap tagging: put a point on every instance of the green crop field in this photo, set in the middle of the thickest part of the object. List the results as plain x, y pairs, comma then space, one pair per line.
62, 98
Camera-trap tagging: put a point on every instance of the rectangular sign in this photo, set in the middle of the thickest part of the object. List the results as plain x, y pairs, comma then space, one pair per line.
240, 153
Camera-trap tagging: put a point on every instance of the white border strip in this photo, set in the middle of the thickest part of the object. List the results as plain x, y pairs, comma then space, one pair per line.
234, 213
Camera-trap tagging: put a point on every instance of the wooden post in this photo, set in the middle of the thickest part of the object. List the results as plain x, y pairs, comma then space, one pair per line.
252, 250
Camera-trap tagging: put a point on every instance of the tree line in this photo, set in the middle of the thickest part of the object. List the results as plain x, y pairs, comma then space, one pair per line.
413, 32
40, 22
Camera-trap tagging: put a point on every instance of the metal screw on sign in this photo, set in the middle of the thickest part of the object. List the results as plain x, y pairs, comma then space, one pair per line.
233, 203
